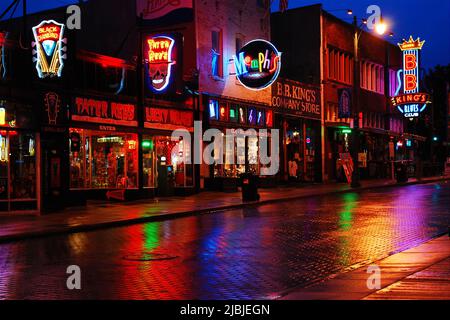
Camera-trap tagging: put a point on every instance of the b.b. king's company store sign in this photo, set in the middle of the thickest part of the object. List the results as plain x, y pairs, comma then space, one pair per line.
104, 112
296, 98
257, 64
412, 102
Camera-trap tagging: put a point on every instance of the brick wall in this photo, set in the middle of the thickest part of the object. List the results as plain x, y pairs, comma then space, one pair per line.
245, 18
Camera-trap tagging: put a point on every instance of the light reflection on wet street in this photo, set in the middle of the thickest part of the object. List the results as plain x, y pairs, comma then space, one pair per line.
253, 253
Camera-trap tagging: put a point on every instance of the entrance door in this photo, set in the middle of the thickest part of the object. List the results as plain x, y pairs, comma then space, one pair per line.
54, 170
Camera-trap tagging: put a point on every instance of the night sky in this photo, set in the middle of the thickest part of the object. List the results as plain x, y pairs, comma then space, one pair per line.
428, 19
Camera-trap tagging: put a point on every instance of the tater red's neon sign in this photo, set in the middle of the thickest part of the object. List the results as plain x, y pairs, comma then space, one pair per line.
160, 61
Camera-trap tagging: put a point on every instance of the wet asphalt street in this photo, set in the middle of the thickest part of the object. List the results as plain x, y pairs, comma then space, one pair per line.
253, 253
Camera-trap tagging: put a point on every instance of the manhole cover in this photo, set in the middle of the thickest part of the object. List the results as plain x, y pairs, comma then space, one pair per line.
149, 257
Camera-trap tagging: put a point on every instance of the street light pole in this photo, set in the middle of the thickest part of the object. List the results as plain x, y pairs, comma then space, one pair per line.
356, 83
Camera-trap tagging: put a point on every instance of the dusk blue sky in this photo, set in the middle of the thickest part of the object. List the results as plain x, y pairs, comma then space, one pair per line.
428, 19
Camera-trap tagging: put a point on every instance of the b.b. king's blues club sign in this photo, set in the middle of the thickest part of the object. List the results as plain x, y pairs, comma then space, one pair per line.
412, 102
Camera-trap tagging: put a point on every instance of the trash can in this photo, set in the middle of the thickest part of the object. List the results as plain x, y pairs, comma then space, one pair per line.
401, 172
249, 184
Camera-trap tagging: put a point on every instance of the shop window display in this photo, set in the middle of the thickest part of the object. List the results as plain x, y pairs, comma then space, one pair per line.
18, 184
233, 162
294, 153
103, 160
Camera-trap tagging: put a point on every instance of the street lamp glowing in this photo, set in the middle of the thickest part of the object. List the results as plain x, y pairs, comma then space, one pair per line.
350, 12
381, 28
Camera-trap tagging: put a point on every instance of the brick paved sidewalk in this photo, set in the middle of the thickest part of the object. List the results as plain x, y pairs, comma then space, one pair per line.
96, 216
420, 273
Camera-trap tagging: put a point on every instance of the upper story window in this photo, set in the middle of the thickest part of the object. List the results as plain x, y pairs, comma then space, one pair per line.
340, 66
393, 82
216, 54
240, 39
372, 77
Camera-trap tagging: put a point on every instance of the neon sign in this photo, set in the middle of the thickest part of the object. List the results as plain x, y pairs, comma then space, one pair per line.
160, 62
52, 104
411, 103
2, 55
257, 64
48, 44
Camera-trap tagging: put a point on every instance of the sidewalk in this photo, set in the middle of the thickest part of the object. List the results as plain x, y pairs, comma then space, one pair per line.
96, 216
420, 273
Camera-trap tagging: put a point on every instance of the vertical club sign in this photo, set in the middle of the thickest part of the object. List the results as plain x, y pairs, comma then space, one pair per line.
160, 59
412, 102
48, 48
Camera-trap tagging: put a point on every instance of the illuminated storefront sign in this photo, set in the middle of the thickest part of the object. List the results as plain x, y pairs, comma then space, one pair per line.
224, 112
257, 64
411, 103
49, 48
293, 97
168, 119
100, 111
160, 60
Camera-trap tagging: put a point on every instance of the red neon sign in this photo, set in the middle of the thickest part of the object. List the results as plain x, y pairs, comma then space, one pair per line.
160, 61
410, 62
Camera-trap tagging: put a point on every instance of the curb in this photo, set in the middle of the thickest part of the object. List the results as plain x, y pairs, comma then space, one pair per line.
282, 294
175, 215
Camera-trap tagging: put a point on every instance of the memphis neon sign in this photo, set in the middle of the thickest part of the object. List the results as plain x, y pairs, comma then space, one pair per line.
160, 62
257, 64
412, 102
48, 48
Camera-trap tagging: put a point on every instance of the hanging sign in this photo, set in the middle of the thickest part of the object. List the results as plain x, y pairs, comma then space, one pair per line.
412, 102
152, 9
345, 103
2, 55
160, 59
48, 48
257, 64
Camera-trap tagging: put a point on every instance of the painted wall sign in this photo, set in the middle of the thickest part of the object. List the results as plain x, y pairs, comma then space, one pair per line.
296, 98
160, 59
106, 112
345, 103
412, 102
168, 119
152, 9
257, 64
49, 48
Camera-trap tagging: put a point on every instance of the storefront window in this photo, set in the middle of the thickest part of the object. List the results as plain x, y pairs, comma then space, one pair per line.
234, 161
18, 185
103, 160
174, 153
